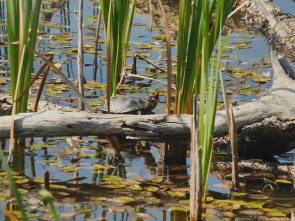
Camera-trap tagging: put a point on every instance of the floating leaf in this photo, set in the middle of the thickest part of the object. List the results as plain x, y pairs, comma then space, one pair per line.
23, 191
125, 198
243, 46
39, 146
131, 182
152, 200
114, 186
135, 187
207, 215
49, 10
238, 202
236, 75
247, 36
156, 180
113, 179
238, 194
98, 198
70, 169
256, 204
241, 42
86, 155
55, 186
48, 161
84, 210
244, 86
21, 181
2, 197
246, 93
159, 37
91, 27
184, 201
116, 210
178, 208
283, 181
92, 18
152, 188
258, 196
230, 214
100, 166
251, 212
275, 213
61, 193
255, 88
176, 194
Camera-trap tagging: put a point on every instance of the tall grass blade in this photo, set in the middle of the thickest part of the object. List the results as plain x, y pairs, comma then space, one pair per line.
193, 32
47, 196
13, 187
22, 30
117, 15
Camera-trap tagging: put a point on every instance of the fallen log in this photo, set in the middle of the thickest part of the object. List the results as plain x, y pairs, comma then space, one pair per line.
57, 123
277, 22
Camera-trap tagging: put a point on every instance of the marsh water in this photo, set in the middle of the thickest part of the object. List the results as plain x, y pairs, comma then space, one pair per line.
93, 184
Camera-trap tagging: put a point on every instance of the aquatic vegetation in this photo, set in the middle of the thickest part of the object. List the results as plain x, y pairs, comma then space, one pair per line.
117, 19
22, 31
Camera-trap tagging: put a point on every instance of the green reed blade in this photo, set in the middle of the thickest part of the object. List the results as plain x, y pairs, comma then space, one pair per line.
47, 196
120, 24
13, 187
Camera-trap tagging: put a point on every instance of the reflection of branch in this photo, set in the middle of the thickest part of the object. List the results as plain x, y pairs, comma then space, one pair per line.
48, 15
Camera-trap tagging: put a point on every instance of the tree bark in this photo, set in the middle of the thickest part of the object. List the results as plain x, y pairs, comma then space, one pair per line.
277, 22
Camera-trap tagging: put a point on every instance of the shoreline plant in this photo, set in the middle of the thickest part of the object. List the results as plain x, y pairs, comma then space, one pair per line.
200, 26
22, 22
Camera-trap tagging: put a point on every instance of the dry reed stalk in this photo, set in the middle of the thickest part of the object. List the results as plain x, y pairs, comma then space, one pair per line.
234, 151
59, 73
11, 143
169, 60
46, 71
109, 56
196, 170
80, 60
96, 43
232, 131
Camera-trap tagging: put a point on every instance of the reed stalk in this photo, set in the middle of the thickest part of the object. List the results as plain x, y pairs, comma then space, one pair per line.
13, 187
117, 19
22, 30
198, 33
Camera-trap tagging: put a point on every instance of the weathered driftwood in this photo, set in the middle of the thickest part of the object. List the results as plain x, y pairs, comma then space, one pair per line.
268, 124
278, 23
56, 123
